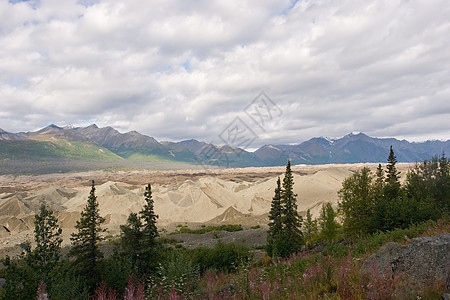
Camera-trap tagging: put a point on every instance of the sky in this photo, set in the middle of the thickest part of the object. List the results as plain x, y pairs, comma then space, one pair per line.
283, 70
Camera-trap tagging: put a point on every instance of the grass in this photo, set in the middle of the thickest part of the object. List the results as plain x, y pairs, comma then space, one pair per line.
45, 155
148, 158
204, 229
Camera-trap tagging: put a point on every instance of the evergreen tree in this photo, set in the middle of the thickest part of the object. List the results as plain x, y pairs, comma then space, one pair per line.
47, 235
391, 209
380, 178
85, 241
427, 190
131, 238
149, 245
443, 184
327, 221
392, 188
24, 273
292, 235
21, 279
311, 230
275, 225
419, 194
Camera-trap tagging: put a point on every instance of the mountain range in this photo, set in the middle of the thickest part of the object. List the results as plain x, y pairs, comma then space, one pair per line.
62, 149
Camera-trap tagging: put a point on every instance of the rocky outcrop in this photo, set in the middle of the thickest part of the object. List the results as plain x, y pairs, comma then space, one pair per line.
398, 271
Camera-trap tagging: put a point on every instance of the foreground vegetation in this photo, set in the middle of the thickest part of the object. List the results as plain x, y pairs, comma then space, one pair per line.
308, 259
329, 271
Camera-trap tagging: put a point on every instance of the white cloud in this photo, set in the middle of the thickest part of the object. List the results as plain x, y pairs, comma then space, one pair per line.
185, 69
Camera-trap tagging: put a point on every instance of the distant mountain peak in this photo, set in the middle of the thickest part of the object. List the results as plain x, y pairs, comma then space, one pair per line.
357, 133
270, 146
49, 128
53, 126
329, 139
273, 147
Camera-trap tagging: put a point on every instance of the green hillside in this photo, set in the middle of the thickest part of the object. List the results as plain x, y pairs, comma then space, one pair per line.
149, 158
41, 150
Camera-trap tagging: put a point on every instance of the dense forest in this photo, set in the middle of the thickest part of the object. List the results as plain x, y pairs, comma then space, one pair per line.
304, 257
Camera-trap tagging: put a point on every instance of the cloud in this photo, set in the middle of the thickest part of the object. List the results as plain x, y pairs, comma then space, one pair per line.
186, 69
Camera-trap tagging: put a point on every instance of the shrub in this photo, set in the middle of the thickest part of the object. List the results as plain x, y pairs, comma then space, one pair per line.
205, 229
223, 257
177, 273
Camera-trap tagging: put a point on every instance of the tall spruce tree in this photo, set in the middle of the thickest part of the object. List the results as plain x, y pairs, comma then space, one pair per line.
392, 188
131, 239
34, 266
149, 244
85, 241
443, 184
389, 211
276, 222
47, 235
292, 236
380, 179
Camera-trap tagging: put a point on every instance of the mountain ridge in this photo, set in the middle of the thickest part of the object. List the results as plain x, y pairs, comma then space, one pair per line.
106, 143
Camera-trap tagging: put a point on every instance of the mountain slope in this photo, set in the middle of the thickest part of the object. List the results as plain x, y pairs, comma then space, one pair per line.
42, 149
96, 147
219, 156
131, 145
352, 148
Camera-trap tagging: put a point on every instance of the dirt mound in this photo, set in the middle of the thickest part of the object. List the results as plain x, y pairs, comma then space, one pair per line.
233, 216
54, 197
68, 219
14, 207
15, 225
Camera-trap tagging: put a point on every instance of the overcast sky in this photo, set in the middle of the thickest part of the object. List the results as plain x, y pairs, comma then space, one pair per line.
177, 70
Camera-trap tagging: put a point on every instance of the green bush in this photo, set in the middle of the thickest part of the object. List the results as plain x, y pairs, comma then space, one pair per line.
66, 284
223, 257
176, 271
205, 229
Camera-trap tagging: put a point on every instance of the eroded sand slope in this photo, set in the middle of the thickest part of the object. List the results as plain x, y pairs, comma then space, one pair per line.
222, 196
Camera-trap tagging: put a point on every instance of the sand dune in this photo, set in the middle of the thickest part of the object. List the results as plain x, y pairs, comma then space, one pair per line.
209, 197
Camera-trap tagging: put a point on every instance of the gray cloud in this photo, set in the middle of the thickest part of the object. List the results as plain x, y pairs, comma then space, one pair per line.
186, 69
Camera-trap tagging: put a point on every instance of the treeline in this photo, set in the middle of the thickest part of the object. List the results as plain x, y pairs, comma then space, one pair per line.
368, 203
380, 202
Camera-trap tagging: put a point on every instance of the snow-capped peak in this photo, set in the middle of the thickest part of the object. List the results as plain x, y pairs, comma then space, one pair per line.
329, 139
